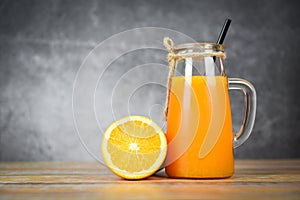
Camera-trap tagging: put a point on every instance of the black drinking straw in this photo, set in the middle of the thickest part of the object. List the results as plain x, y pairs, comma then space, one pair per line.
223, 32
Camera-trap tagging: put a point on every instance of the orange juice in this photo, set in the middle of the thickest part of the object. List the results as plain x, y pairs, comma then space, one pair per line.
199, 130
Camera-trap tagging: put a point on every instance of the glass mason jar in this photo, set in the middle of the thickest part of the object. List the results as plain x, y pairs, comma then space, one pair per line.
199, 124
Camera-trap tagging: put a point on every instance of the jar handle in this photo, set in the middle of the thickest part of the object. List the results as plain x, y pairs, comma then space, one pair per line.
250, 109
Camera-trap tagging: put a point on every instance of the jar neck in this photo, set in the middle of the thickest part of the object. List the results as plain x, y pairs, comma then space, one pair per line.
199, 47
200, 59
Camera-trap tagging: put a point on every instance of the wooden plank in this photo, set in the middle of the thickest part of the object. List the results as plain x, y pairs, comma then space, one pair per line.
165, 191
176, 189
268, 177
259, 179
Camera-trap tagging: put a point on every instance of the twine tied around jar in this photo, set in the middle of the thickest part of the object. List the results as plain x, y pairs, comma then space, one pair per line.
173, 58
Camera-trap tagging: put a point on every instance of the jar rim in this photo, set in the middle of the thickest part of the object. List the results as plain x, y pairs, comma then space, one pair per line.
200, 45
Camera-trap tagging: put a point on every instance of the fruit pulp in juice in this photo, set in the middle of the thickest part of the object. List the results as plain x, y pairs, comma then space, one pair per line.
199, 129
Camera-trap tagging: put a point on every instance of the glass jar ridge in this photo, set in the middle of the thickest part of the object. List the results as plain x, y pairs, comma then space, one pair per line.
200, 46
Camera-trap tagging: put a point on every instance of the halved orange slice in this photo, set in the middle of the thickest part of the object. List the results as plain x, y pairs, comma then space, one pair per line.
134, 147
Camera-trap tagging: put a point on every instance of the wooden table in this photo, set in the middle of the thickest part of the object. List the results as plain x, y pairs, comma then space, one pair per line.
253, 179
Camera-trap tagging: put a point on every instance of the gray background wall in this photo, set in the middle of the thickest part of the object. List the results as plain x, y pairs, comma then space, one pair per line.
43, 43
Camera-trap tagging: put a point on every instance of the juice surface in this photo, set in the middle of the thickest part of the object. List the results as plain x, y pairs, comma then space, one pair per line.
199, 130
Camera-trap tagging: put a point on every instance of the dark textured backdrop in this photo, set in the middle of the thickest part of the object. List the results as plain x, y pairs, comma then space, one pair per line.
43, 43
